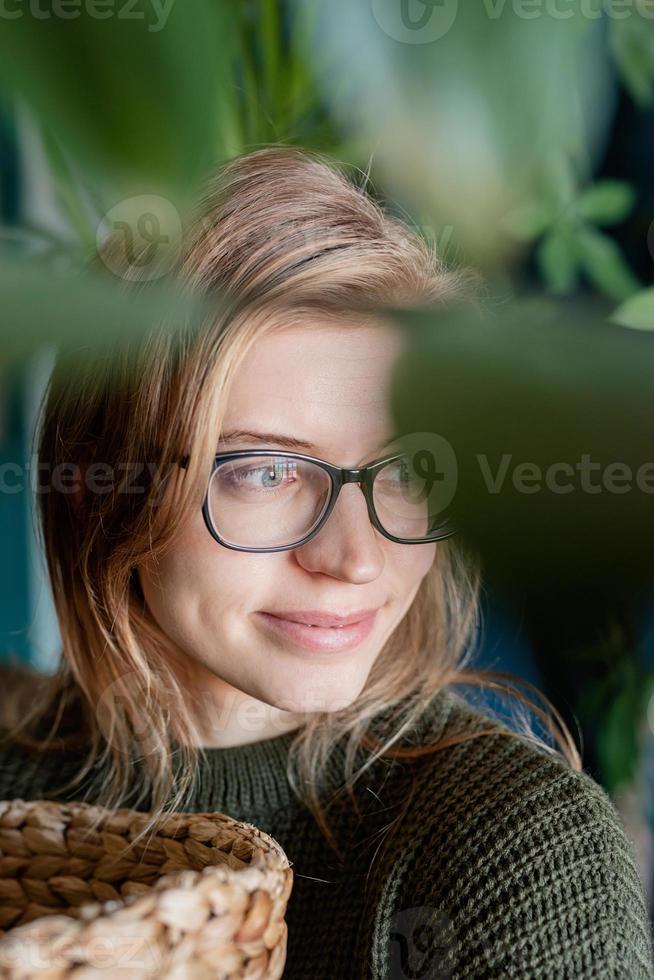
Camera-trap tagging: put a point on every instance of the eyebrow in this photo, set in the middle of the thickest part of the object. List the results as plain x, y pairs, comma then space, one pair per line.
280, 439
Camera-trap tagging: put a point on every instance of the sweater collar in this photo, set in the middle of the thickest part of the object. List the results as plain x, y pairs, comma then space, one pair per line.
245, 781
250, 781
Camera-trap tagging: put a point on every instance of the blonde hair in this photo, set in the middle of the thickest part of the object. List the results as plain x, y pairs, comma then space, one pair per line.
279, 232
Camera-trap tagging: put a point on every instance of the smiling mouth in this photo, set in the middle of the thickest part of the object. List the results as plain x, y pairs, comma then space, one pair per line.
315, 637
323, 620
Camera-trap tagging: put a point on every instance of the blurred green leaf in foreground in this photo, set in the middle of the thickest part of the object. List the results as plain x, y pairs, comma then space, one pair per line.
134, 95
42, 305
547, 409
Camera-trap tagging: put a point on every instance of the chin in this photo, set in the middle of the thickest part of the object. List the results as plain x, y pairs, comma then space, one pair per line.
312, 699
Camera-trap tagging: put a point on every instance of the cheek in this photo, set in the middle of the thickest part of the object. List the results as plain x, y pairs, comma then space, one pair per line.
410, 563
191, 563
193, 576
196, 587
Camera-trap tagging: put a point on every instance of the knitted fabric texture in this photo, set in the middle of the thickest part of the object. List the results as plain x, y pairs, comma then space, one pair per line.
487, 859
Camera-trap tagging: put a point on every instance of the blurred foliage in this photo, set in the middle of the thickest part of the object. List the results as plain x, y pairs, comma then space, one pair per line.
525, 394
620, 694
132, 98
81, 308
637, 312
473, 132
273, 94
632, 45
463, 126
564, 219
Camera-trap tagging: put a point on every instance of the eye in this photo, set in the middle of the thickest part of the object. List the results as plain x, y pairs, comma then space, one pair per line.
268, 475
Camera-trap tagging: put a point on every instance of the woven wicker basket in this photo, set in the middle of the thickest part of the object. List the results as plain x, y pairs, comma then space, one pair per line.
203, 897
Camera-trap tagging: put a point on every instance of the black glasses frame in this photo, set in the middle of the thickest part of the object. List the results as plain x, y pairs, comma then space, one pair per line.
339, 476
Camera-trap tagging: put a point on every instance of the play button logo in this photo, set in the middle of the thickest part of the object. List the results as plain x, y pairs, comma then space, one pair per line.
415, 21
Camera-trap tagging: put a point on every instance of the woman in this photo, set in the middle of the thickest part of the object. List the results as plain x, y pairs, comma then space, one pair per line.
238, 638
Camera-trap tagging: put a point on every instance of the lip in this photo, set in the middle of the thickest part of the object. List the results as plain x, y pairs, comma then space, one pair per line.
321, 638
317, 617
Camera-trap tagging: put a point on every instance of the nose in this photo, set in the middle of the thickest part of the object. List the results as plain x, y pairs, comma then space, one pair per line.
347, 546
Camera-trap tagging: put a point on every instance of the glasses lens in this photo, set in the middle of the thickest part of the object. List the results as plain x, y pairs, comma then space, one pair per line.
267, 501
407, 499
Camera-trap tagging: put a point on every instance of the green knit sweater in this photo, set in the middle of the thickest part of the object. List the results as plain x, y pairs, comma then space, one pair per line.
505, 863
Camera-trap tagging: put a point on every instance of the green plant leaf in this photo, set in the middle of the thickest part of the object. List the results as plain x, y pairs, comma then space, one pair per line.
592, 695
46, 305
606, 202
632, 43
604, 264
549, 375
618, 746
67, 187
637, 312
449, 107
560, 181
132, 97
529, 221
270, 39
557, 262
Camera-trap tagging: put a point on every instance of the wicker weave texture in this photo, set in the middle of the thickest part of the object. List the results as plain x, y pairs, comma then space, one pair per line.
83, 896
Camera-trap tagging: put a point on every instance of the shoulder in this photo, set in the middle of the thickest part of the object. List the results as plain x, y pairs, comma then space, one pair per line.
19, 685
517, 864
33, 765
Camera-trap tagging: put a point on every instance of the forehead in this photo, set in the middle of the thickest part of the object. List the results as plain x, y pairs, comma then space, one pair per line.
322, 381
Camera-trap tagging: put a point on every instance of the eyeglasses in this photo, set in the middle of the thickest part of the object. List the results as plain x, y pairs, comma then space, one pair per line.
263, 500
